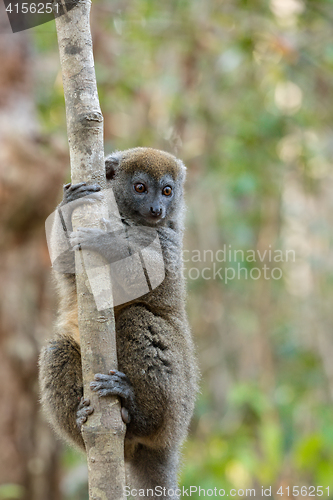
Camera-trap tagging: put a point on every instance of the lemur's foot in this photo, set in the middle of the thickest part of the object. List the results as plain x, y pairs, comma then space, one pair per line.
83, 411
115, 384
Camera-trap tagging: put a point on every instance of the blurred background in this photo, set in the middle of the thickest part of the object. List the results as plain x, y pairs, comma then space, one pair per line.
242, 92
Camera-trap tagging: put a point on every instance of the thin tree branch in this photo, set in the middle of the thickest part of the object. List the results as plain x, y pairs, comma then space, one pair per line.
104, 431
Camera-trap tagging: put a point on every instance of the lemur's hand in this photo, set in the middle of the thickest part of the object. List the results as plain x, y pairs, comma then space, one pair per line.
81, 191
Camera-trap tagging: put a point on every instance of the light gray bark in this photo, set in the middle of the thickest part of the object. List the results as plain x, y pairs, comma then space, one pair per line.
104, 431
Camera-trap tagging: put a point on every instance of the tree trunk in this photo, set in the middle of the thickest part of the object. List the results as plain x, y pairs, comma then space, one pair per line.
104, 431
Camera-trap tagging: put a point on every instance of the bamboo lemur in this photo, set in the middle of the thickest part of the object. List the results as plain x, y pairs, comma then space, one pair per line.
157, 377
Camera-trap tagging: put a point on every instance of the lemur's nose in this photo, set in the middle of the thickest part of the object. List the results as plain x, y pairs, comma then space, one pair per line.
156, 211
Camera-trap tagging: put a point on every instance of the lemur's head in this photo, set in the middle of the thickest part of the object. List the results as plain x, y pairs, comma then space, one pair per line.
147, 183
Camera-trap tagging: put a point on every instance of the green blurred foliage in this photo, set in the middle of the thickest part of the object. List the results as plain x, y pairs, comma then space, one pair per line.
11, 491
241, 91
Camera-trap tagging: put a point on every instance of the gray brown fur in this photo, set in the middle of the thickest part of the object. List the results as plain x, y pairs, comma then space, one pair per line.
154, 344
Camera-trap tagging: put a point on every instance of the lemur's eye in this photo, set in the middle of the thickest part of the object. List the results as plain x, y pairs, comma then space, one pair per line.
139, 187
167, 191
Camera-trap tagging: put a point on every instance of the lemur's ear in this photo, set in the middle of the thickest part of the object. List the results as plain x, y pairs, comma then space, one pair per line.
112, 162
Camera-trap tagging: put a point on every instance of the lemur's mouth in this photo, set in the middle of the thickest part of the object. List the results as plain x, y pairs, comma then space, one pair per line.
155, 219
